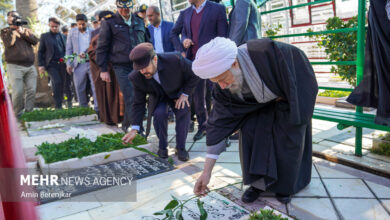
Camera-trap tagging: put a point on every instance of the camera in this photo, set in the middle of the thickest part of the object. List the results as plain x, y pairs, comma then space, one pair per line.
17, 21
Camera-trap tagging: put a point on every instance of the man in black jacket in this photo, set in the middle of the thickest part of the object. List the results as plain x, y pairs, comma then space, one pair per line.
118, 36
50, 57
169, 80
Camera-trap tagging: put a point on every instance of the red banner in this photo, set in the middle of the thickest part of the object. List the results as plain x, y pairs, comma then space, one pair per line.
11, 156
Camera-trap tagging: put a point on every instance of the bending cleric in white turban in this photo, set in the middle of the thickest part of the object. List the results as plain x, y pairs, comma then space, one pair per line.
214, 58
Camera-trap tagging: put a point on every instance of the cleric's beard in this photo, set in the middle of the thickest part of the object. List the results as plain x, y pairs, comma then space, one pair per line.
236, 86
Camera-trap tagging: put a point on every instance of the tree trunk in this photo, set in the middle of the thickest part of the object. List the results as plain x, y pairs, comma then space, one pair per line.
27, 8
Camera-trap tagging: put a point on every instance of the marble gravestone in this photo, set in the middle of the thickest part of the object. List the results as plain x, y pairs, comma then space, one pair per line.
130, 169
216, 206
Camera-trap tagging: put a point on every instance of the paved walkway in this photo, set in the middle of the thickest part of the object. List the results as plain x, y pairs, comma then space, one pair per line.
335, 192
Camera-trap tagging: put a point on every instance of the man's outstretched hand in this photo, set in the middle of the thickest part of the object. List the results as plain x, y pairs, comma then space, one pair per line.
129, 137
201, 188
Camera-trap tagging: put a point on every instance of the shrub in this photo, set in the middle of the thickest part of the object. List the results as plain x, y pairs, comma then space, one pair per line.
384, 147
340, 47
334, 94
81, 147
50, 114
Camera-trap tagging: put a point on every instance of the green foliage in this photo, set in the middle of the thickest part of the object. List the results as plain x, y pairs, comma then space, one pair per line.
273, 30
334, 93
5, 6
50, 114
384, 147
81, 147
77, 57
340, 47
264, 214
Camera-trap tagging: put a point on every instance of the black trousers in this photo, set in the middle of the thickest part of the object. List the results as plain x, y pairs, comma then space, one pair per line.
61, 83
160, 123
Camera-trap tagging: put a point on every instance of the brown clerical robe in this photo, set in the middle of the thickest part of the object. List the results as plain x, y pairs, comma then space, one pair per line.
107, 94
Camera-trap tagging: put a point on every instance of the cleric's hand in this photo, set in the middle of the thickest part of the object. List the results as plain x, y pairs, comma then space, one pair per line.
201, 188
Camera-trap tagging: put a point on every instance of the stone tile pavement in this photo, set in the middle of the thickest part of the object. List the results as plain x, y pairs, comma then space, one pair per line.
335, 192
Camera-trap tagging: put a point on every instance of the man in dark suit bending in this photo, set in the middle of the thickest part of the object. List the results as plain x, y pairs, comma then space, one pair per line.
169, 81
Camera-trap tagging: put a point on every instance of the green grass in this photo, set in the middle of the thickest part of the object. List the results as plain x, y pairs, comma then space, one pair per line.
384, 147
264, 214
334, 94
50, 114
81, 147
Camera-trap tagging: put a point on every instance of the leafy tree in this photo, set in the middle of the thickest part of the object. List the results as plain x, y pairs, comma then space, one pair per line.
272, 30
5, 6
340, 47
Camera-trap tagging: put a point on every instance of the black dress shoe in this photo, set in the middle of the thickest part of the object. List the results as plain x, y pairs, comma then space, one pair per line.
199, 135
162, 153
251, 194
283, 198
182, 154
192, 126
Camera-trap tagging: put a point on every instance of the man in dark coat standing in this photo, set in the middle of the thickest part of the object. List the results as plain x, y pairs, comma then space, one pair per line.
198, 24
51, 58
118, 36
169, 81
267, 90
159, 30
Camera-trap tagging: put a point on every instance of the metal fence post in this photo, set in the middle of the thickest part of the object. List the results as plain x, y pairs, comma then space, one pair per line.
360, 67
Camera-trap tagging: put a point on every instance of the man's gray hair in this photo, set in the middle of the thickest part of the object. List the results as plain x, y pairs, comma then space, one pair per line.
155, 9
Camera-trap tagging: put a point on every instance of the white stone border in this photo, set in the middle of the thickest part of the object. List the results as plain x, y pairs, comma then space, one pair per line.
78, 119
92, 160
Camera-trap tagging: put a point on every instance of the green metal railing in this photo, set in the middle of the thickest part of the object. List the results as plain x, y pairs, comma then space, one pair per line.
359, 62
344, 30
296, 6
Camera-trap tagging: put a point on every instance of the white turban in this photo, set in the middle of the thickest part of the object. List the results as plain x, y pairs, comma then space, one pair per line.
214, 58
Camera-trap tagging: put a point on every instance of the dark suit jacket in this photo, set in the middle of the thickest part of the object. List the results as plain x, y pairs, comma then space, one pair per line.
117, 39
213, 24
176, 78
46, 48
166, 28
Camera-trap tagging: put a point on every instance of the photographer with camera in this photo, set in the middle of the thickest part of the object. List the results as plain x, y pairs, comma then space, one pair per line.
19, 55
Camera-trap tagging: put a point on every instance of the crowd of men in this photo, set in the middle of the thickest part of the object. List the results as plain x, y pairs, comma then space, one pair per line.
134, 64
